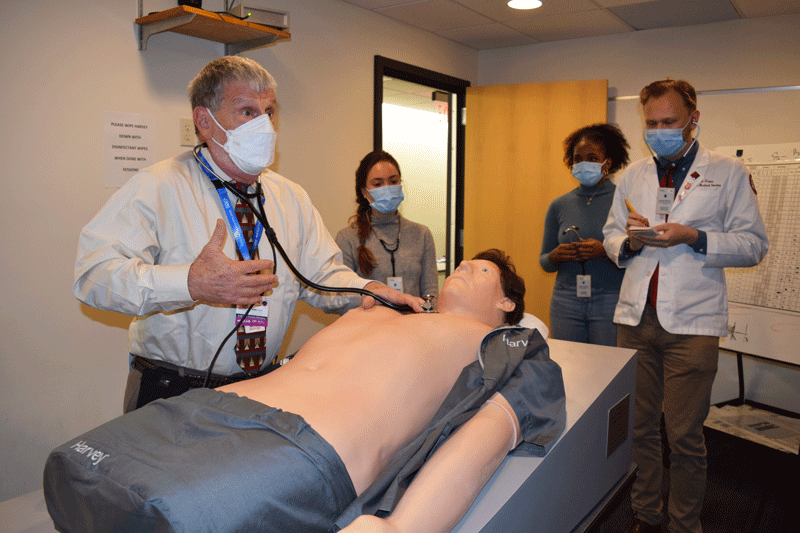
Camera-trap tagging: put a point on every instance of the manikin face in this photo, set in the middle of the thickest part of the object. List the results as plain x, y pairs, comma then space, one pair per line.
381, 174
476, 285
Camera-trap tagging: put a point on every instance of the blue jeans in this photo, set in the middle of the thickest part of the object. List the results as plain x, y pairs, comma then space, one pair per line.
588, 320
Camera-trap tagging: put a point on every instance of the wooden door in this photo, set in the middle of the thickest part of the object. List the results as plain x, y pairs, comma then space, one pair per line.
514, 168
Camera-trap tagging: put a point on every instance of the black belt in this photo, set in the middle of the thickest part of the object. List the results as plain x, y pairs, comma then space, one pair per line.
193, 378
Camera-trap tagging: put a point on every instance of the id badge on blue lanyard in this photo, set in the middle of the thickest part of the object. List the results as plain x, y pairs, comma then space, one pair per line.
230, 214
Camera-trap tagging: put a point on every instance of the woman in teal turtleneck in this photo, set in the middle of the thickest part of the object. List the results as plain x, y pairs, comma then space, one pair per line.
379, 243
587, 283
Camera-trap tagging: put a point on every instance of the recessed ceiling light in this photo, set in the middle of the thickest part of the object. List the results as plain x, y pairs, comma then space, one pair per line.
524, 4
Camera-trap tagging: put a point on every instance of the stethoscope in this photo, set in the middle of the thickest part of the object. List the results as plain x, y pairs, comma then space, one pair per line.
385, 245
574, 229
222, 185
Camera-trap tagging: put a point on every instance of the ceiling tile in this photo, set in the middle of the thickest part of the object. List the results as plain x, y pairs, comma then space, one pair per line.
616, 3
487, 36
675, 13
570, 25
375, 4
486, 24
405, 86
498, 10
408, 94
766, 8
434, 15
409, 100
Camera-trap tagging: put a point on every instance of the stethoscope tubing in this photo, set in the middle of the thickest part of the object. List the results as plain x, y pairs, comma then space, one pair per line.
261, 215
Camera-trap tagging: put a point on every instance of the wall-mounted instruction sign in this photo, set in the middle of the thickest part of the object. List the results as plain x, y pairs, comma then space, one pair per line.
128, 145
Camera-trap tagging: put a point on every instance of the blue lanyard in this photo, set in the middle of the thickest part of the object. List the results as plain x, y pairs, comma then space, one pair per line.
230, 213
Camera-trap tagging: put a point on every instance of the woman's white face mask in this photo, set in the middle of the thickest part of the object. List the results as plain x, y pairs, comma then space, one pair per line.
251, 146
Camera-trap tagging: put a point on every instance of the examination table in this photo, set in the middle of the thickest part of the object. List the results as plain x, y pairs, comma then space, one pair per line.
557, 493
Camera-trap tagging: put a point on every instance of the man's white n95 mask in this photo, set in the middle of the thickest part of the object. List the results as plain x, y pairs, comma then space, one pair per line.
251, 146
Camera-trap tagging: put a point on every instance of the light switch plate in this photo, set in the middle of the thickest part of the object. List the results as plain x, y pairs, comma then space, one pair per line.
186, 126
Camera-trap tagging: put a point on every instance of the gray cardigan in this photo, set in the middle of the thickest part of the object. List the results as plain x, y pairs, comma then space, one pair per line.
415, 258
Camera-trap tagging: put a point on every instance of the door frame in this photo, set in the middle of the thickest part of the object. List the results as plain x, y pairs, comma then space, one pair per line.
436, 80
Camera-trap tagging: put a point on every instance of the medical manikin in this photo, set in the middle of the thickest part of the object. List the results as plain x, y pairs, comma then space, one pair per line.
375, 415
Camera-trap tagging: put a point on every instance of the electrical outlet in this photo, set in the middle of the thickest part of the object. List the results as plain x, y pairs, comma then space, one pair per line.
188, 138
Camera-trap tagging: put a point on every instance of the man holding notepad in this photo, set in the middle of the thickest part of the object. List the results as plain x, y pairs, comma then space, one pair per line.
677, 220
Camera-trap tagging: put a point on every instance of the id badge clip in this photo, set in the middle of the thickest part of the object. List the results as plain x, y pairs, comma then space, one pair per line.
256, 320
584, 286
395, 282
666, 195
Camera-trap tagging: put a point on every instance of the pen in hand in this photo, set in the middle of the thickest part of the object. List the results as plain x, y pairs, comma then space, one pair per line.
629, 242
642, 222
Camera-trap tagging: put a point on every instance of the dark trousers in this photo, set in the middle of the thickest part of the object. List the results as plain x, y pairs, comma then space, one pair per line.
674, 375
147, 385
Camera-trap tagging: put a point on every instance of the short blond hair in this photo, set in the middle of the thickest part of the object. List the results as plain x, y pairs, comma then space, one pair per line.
658, 89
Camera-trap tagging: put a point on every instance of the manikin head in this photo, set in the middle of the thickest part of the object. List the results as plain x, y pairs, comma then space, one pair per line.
485, 288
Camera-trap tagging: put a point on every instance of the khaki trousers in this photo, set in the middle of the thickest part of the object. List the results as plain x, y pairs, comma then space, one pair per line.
674, 375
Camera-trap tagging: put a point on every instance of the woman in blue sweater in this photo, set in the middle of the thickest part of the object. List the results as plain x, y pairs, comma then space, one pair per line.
587, 283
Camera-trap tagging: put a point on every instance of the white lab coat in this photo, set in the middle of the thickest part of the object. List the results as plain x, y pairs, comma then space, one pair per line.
716, 197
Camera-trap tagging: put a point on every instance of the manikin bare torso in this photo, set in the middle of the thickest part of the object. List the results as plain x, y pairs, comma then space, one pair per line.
371, 382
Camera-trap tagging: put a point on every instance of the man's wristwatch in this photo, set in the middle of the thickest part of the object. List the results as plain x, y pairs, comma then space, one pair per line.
627, 245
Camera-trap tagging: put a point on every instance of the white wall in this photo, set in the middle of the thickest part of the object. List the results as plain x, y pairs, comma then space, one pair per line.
63, 366
739, 54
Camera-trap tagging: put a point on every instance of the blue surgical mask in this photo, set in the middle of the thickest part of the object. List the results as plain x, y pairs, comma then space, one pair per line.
587, 173
386, 199
665, 142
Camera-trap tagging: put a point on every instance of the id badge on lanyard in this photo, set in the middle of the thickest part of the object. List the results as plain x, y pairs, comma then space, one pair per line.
666, 195
395, 282
230, 214
257, 319
584, 286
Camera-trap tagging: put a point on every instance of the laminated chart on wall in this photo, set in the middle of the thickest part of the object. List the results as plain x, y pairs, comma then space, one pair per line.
764, 301
775, 283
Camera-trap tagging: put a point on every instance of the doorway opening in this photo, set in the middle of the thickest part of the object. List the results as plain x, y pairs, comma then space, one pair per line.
418, 118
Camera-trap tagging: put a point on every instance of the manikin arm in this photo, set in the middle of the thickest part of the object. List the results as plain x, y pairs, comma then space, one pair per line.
451, 479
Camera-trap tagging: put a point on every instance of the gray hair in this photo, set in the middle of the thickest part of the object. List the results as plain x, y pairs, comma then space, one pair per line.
207, 88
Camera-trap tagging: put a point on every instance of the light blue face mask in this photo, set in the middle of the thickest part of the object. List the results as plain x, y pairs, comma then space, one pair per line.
587, 173
667, 142
387, 199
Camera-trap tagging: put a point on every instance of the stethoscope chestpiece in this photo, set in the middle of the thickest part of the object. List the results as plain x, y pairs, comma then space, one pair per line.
427, 305
573, 229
